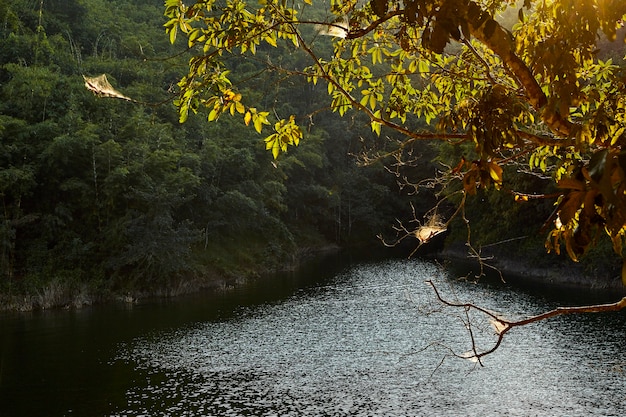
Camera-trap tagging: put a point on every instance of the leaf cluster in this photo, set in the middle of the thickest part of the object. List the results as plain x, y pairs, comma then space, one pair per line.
534, 93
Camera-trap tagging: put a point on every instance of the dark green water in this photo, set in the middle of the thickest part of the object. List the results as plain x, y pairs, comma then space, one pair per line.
367, 340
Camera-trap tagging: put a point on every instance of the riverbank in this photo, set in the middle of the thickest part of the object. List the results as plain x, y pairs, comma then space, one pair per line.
540, 268
72, 294
61, 294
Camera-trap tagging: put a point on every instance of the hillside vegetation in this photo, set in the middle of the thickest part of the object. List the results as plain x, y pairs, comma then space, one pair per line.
103, 196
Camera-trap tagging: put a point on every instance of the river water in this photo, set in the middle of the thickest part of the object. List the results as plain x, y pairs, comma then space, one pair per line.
370, 339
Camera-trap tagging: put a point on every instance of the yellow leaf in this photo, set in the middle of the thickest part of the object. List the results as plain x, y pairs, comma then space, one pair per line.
376, 127
271, 40
495, 172
617, 135
213, 114
423, 66
193, 35
258, 124
272, 142
173, 34
247, 118
373, 101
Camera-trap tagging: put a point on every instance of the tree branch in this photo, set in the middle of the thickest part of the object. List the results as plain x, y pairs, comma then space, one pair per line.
355, 103
502, 326
500, 42
358, 33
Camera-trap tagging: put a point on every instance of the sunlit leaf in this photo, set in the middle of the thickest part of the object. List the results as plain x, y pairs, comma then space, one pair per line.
173, 31
213, 114
495, 171
376, 127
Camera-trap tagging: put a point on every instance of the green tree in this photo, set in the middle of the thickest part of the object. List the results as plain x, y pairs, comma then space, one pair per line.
536, 92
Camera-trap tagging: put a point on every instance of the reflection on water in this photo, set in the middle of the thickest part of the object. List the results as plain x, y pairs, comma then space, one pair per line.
373, 341
370, 340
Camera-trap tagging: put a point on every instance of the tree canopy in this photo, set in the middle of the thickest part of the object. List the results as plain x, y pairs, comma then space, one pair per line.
534, 84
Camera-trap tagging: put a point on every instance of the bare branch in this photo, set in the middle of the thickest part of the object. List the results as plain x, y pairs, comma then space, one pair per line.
502, 326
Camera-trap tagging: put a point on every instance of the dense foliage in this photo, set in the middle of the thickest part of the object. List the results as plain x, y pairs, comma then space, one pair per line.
524, 82
106, 195
119, 196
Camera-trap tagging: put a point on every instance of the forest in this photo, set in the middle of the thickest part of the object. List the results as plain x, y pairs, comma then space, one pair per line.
105, 197
102, 197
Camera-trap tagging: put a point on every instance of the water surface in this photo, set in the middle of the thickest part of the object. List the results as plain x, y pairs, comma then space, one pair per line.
363, 341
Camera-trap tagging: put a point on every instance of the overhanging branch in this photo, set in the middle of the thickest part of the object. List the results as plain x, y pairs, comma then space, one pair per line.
502, 326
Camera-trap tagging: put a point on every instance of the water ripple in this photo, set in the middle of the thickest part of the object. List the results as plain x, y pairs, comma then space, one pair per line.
373, 342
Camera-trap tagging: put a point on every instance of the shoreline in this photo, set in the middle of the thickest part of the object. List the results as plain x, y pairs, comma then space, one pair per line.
549, 272
546, 270
58, 295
